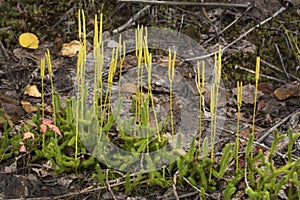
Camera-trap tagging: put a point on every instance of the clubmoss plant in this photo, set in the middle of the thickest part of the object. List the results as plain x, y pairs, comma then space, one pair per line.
249, 147
267, 180
171, 65
200, 86
112, 71
48, 61
257, 69
55, 148
214, 103
292, 139
139, 55
202, 170
237, 139
81, 65
7, 146
150, 94
98, 58
42, 73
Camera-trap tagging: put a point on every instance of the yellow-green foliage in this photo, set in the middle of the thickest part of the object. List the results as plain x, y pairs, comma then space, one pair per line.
200, 86
171, 65
239, 105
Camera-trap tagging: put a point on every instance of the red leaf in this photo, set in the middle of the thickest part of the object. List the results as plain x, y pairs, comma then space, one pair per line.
22, 147
43, 128
260, 105
55, 129
47, 121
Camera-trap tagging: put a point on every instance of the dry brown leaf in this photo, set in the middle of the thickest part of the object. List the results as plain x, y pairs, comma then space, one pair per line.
128, 88
49, 109
286, 91
28, 107
32, 91
70, 49
57, 44
28, 135
266, 88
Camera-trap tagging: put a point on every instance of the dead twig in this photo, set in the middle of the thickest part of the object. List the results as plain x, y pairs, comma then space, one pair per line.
262, 75
188, 195
59, 21
202, 18
229, 25
195, 188
112, 183
286, 140
281, 61
277, 69
266, 134
177, 3
108, 186
132, 20
4, 51
174, 186
278, 12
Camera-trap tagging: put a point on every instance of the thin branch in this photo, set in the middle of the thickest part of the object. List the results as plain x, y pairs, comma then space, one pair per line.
195, 188
174, 186
132, 20
231, 24
203, 4
281, 10
281, 61
4, 51
277, 69
202, 18
262, 75
270, 131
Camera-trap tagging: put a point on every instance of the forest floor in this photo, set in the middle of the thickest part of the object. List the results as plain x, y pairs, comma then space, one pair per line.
276, 40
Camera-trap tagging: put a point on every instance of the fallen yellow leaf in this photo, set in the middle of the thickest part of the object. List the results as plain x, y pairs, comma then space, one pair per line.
32, 91
28, 107
29, 40
70, 49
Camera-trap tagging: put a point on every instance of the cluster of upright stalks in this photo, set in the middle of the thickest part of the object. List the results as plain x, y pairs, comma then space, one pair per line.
142, 105
140, 102
144, 62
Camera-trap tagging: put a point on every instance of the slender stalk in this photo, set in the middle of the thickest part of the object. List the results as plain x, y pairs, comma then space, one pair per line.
214, 102
81, 64
239, 104
96, 68
139, 54
98, 57
200, 85
122, 58
171, 65
48, 60
42, 72
112, 70
255, 93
